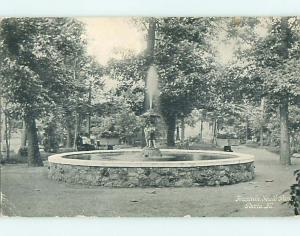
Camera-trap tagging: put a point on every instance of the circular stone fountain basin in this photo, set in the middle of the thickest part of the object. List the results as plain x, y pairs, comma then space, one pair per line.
128, 168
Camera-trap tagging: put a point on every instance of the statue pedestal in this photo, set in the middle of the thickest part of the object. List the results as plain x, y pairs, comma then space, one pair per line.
151, 152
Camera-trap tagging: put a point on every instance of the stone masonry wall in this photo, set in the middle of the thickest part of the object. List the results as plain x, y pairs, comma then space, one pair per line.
152, 176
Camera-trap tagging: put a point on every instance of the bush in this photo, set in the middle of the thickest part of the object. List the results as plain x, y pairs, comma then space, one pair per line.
109, 134
14, 158
23, 152
227, 136
295, 194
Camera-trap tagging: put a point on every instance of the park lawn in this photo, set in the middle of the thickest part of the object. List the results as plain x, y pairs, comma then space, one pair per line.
26, 191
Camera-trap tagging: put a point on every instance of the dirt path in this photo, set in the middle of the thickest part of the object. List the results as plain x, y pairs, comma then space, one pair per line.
28, 192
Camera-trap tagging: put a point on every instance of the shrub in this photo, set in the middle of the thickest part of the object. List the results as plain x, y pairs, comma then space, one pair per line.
23, 152
295, 193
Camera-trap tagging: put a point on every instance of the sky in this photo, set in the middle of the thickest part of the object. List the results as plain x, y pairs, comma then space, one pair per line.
106, 35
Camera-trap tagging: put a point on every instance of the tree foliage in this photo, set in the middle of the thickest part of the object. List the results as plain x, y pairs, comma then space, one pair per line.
44, 65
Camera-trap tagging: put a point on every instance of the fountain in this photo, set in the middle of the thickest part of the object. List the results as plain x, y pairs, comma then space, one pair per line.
151, 117
151, 166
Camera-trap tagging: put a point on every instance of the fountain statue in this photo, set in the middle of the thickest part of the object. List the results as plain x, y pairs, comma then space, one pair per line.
150, 132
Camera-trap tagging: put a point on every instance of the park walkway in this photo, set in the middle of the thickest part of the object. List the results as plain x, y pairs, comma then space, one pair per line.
28, 192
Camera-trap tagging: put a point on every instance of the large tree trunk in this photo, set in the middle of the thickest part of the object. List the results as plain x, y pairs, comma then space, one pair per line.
177, 133
151, 40
293, 143
143, 141
34, 156
269, 139
7, 132
0, 127
201, 130
69, 137
149, 56
182, 129
262, 121
90, 111
76, 130
261, 136
284, 102
285, 158
23, 135
171, 127
70, 129
247, 125
214, 132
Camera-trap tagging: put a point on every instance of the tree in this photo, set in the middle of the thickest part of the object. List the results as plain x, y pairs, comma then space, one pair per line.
279, 61
77, 106
130, 72
186, 66
34, 71
269, 62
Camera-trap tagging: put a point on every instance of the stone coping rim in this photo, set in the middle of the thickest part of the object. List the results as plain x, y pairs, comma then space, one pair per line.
234, 158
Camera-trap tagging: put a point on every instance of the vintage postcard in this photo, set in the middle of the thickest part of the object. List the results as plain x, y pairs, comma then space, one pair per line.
150, 116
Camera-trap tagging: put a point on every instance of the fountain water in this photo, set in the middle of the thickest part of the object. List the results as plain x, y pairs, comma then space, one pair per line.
152, 85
